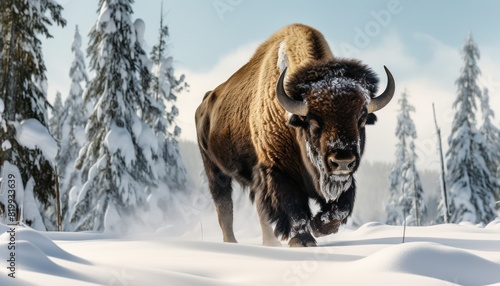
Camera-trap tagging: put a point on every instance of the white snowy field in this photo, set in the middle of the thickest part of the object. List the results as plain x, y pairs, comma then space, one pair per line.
372, 254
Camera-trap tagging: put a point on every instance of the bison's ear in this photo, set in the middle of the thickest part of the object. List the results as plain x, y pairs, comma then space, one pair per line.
371, 119
297, 121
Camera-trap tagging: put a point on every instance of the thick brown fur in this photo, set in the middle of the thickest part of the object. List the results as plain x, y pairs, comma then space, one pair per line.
245, 134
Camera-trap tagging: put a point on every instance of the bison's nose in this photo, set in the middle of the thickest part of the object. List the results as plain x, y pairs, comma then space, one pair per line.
341, 161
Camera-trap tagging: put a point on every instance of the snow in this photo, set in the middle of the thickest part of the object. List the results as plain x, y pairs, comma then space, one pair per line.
434, 255
104, 19
6, 145
32, 134
112, 218
119, 139
140, 27
30, 207
338, 84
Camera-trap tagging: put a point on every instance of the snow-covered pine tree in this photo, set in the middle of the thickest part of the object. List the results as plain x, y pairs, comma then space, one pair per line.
405, 190
469, 180
491, 148
165, 87
152, 111
73, 119
55, 117
144, 63
117, 158
22, 23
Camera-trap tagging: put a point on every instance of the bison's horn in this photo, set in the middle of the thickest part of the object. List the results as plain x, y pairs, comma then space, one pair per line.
382, 100
289, 104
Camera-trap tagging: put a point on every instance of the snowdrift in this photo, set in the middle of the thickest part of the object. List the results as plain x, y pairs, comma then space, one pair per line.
373, 254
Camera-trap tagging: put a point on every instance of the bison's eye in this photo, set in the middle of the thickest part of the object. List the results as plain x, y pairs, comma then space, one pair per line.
314, 127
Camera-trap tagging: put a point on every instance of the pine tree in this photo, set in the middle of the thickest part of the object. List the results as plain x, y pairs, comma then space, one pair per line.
117, 158
73, 119
55, 118
165, 87
468, 177
144, 63
22, 90
405, 191
491, 148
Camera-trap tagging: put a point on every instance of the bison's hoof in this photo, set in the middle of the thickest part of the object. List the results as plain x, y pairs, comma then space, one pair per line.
302, 240
321, 226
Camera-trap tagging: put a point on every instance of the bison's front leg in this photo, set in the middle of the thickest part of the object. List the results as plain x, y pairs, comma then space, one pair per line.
300, 234
285, 203
333, 214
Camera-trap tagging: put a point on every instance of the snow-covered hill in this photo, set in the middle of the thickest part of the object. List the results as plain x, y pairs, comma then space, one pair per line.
373, 254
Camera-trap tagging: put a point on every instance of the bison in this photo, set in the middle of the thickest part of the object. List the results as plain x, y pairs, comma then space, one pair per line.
290, 126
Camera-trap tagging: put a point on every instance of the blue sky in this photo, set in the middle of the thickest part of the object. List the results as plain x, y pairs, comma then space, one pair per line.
418, 40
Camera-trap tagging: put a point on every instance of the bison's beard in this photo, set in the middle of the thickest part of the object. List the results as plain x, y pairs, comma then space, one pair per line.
331, 186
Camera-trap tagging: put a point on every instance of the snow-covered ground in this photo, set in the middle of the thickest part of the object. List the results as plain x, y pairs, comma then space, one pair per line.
372, 254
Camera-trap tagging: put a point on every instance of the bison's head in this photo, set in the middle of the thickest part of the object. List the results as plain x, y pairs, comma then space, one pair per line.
330, 104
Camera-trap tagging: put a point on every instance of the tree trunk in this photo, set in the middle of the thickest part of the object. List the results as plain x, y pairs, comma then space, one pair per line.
446, 213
